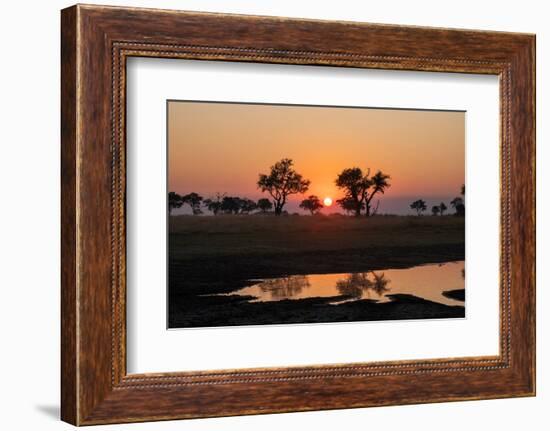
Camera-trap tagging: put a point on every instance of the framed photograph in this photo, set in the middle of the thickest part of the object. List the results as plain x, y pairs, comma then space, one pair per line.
266, 215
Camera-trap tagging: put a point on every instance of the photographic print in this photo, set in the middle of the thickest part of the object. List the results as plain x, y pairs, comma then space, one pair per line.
293, 214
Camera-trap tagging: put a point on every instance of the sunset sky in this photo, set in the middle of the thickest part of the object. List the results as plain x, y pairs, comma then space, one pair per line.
222, 147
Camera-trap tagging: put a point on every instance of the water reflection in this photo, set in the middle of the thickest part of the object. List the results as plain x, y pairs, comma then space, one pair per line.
284, 287
361, 284
424, 281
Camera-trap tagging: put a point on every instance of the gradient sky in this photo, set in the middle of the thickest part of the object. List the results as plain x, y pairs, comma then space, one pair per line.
221, 147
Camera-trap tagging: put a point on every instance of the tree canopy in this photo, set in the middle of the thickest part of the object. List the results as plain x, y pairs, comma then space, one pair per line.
214, 204
458, 205
355, 186
174, 201
419, 206
348, 205
281, 182
264, 205
231, 205
312, 204
247, 205
379, 185
194, 201
360, 189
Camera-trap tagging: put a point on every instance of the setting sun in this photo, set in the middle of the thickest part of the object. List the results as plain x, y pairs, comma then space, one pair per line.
327, 201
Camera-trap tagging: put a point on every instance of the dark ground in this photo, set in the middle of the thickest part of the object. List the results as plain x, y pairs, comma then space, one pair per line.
458, 294
213, 255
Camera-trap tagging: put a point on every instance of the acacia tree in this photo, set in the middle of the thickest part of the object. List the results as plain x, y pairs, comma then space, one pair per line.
348, 205
247, 205
435, 210
456, 202
355, 185
194, 201
312, 204
379, 184
419, 206
174, 201
281, 182
360, 189
264, 205
458, 205
231, 205
214, 204
442, 208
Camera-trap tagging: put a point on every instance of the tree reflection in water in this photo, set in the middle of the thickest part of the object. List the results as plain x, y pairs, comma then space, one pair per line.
363, 284
285, 287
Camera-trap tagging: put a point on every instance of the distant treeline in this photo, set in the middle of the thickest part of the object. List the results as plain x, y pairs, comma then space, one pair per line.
220, 204
359, 189
457, 204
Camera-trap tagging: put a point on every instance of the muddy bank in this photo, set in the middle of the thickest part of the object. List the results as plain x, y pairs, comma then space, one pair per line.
236, 310
458, 294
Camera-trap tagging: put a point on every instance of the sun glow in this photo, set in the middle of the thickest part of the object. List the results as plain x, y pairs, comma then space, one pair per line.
327, 201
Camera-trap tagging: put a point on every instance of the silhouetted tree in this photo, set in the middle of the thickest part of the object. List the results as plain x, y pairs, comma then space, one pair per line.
214, 204
312, 204
281, 182
355, 185
456, 201
379, 184
419, 206
360, 188
264, 205
435, 210
348, 205
247, 205
174, 201
458, 205
194, 201
442, 208
231, 205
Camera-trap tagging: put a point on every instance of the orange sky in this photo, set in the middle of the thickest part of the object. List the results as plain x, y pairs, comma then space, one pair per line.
221, 147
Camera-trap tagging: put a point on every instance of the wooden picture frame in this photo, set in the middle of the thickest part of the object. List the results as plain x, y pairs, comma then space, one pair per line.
95, 43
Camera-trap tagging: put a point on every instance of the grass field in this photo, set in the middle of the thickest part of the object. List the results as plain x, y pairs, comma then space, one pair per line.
235, 234
218, 254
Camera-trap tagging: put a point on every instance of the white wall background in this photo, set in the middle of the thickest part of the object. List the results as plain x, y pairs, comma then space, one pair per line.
29, 214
